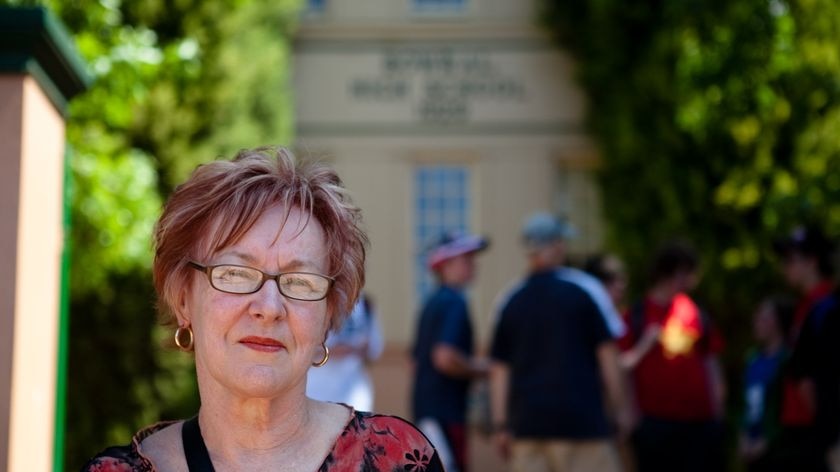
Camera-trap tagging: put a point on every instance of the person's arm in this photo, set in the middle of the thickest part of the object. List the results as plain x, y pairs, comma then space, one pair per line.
499, 384
450, 353
452, 362
630, 359
614, 383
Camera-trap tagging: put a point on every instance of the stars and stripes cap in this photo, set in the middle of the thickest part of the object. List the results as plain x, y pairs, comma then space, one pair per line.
454, 244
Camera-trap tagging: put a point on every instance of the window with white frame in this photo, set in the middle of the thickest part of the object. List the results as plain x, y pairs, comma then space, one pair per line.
441, 205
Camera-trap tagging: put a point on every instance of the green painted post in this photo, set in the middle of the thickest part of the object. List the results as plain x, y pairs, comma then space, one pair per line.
63, 326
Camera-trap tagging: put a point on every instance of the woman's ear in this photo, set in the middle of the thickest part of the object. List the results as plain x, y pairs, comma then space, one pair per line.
182, 312
329, 323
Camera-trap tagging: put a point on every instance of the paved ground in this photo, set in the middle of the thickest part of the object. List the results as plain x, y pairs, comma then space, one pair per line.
391, 376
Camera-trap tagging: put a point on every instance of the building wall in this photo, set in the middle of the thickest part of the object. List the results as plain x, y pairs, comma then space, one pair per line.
386, 88
32, 133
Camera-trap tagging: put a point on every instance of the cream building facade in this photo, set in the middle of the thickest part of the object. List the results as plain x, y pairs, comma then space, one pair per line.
442, 115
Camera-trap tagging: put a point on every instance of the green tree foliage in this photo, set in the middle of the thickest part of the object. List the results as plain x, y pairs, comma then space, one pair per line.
177, 83
718, 122
719, 119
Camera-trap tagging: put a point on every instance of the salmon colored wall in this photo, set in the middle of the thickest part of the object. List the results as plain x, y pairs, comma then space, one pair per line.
32, 133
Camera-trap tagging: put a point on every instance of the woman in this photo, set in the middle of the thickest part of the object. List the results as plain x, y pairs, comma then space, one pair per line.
255, 259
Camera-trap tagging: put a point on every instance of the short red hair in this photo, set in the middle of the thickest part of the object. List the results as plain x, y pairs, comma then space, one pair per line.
223, 199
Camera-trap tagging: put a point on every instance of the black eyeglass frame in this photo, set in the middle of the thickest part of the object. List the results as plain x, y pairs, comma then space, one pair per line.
208, 269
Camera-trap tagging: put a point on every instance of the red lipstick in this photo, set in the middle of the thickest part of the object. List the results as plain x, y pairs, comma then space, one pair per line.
261, 344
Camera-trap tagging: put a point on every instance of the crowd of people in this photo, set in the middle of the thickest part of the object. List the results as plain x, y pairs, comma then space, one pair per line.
582, 379
579, 379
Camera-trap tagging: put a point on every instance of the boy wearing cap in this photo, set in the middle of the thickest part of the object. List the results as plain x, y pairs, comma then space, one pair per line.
554, 364
811, 379
442, 353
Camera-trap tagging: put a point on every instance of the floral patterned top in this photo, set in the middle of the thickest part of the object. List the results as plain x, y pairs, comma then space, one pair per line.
369, 442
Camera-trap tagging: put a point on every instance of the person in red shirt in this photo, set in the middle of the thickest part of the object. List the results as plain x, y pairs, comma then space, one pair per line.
672, 353
810, 413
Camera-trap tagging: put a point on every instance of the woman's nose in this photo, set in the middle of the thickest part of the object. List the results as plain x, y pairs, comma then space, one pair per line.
268, 302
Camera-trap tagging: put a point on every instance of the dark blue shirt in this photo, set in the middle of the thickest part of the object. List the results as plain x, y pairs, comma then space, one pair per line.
548, 334
444, 319
759, 379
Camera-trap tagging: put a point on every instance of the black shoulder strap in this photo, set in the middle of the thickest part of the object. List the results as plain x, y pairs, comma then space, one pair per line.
198, 459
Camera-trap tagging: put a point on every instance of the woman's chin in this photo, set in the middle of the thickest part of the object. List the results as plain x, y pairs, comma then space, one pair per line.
261, 382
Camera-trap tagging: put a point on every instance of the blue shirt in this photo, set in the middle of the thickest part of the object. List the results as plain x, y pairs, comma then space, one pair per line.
444, 319
760, 376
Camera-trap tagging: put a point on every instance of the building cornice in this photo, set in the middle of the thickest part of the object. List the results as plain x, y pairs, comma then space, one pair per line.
398, 31
33, 41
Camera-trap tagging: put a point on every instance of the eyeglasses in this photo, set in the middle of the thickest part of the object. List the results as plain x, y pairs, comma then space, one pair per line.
243, 280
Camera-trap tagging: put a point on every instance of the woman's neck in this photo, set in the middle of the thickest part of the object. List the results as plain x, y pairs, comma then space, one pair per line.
242, 432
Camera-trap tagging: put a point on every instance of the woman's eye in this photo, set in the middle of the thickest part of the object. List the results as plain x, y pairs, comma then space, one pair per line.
235, 273
297, 282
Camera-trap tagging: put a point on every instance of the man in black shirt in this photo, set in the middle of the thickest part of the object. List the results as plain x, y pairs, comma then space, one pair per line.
553, 362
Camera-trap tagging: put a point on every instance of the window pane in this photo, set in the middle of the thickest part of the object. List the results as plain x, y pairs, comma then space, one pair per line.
441, 203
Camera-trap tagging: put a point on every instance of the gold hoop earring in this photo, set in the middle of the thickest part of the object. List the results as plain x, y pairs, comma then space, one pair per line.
179, 333
325, 359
